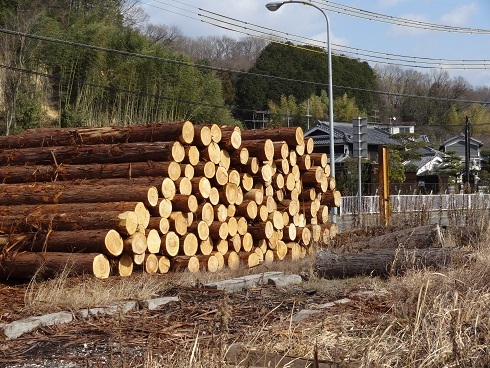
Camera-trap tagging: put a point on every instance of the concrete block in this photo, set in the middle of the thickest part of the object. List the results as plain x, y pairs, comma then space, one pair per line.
304, 314
244, 282
156, 303
18, 328
285, 280
109, 310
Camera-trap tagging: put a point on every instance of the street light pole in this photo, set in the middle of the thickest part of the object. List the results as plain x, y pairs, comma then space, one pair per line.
275, 6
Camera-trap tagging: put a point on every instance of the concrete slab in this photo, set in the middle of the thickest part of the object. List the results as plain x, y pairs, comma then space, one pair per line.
285, 280
18, 328
304, 314
244, 282
153, 304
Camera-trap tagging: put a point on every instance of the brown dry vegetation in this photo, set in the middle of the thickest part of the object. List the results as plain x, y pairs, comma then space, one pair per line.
424, 318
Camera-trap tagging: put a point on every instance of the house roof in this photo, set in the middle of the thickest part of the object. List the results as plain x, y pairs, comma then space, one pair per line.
458, 138
344, 133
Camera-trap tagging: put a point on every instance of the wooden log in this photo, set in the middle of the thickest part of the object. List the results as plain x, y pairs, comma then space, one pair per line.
159, 223
191, 155
135, 243
170, 242
242, 225
201, 187
261, 230
247, 242
426, 236
232, 260
125, 223
206, 246
231, 138
199, 228
206, 212
240, 156
49, 137
153, 241
261, 149
178, 222
291, 135
188, 171
202, 136
232, 226
49, 264
184, 262
381, 262
151, 263
205, 169
184, 203
189, 244
41, 193
318, 159
90, 154
214, 196
104, 241
221, 177
212, 153
39, 173
125, 265
218, 230
225, 160
331, 198
222, 246
184, 186
235, 243
70, 207
163, 264
216, 133
138, 259
248, 209
162, 209
254, 194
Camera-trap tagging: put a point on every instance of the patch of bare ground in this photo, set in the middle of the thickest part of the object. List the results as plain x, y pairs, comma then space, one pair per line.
423, 318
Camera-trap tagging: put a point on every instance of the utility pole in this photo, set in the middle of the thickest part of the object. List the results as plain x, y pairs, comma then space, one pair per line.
467, 154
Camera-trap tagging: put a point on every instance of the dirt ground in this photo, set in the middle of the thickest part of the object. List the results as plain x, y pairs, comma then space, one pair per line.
210, 319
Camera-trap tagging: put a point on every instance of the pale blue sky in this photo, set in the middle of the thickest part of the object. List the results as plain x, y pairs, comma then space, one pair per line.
354, 32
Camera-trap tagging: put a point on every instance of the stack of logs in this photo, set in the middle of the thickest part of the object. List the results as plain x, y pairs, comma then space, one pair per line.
160, 197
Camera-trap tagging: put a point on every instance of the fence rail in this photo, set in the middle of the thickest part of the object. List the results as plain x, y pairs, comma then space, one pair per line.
412, 203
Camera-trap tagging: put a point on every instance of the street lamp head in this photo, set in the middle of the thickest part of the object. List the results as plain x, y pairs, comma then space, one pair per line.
273, 6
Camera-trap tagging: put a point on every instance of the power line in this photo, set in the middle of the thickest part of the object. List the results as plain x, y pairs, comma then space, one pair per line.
156, 58
377, 17
173, 99
363, 54
337, 47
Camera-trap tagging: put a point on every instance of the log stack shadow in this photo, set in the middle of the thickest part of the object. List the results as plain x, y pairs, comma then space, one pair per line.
160, 197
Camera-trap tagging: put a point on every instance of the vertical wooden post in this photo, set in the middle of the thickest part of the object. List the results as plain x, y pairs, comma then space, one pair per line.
384, 185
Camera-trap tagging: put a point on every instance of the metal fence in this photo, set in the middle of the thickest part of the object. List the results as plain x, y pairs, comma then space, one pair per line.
411, 203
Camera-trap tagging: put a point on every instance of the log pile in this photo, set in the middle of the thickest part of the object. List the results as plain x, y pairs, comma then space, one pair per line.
160, 197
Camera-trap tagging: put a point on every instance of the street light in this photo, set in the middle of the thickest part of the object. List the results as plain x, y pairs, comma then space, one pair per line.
273, 7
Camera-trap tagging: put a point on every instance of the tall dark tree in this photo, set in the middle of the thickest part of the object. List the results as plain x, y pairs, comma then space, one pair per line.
301, 71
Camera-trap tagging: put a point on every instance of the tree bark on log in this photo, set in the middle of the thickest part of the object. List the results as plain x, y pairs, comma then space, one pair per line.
380, 262
291, 135
49, 137
426, 236
91, 154
26, 209
126, 222
105, 241
52, 173
48, 264
40, 193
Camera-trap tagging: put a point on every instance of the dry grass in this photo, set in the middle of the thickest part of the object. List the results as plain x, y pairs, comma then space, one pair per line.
421, 319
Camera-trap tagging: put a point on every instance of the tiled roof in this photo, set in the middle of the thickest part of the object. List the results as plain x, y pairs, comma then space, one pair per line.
344, 133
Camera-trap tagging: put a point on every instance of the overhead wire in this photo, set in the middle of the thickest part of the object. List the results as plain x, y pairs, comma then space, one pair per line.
208, 67
359, 53
372, 16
